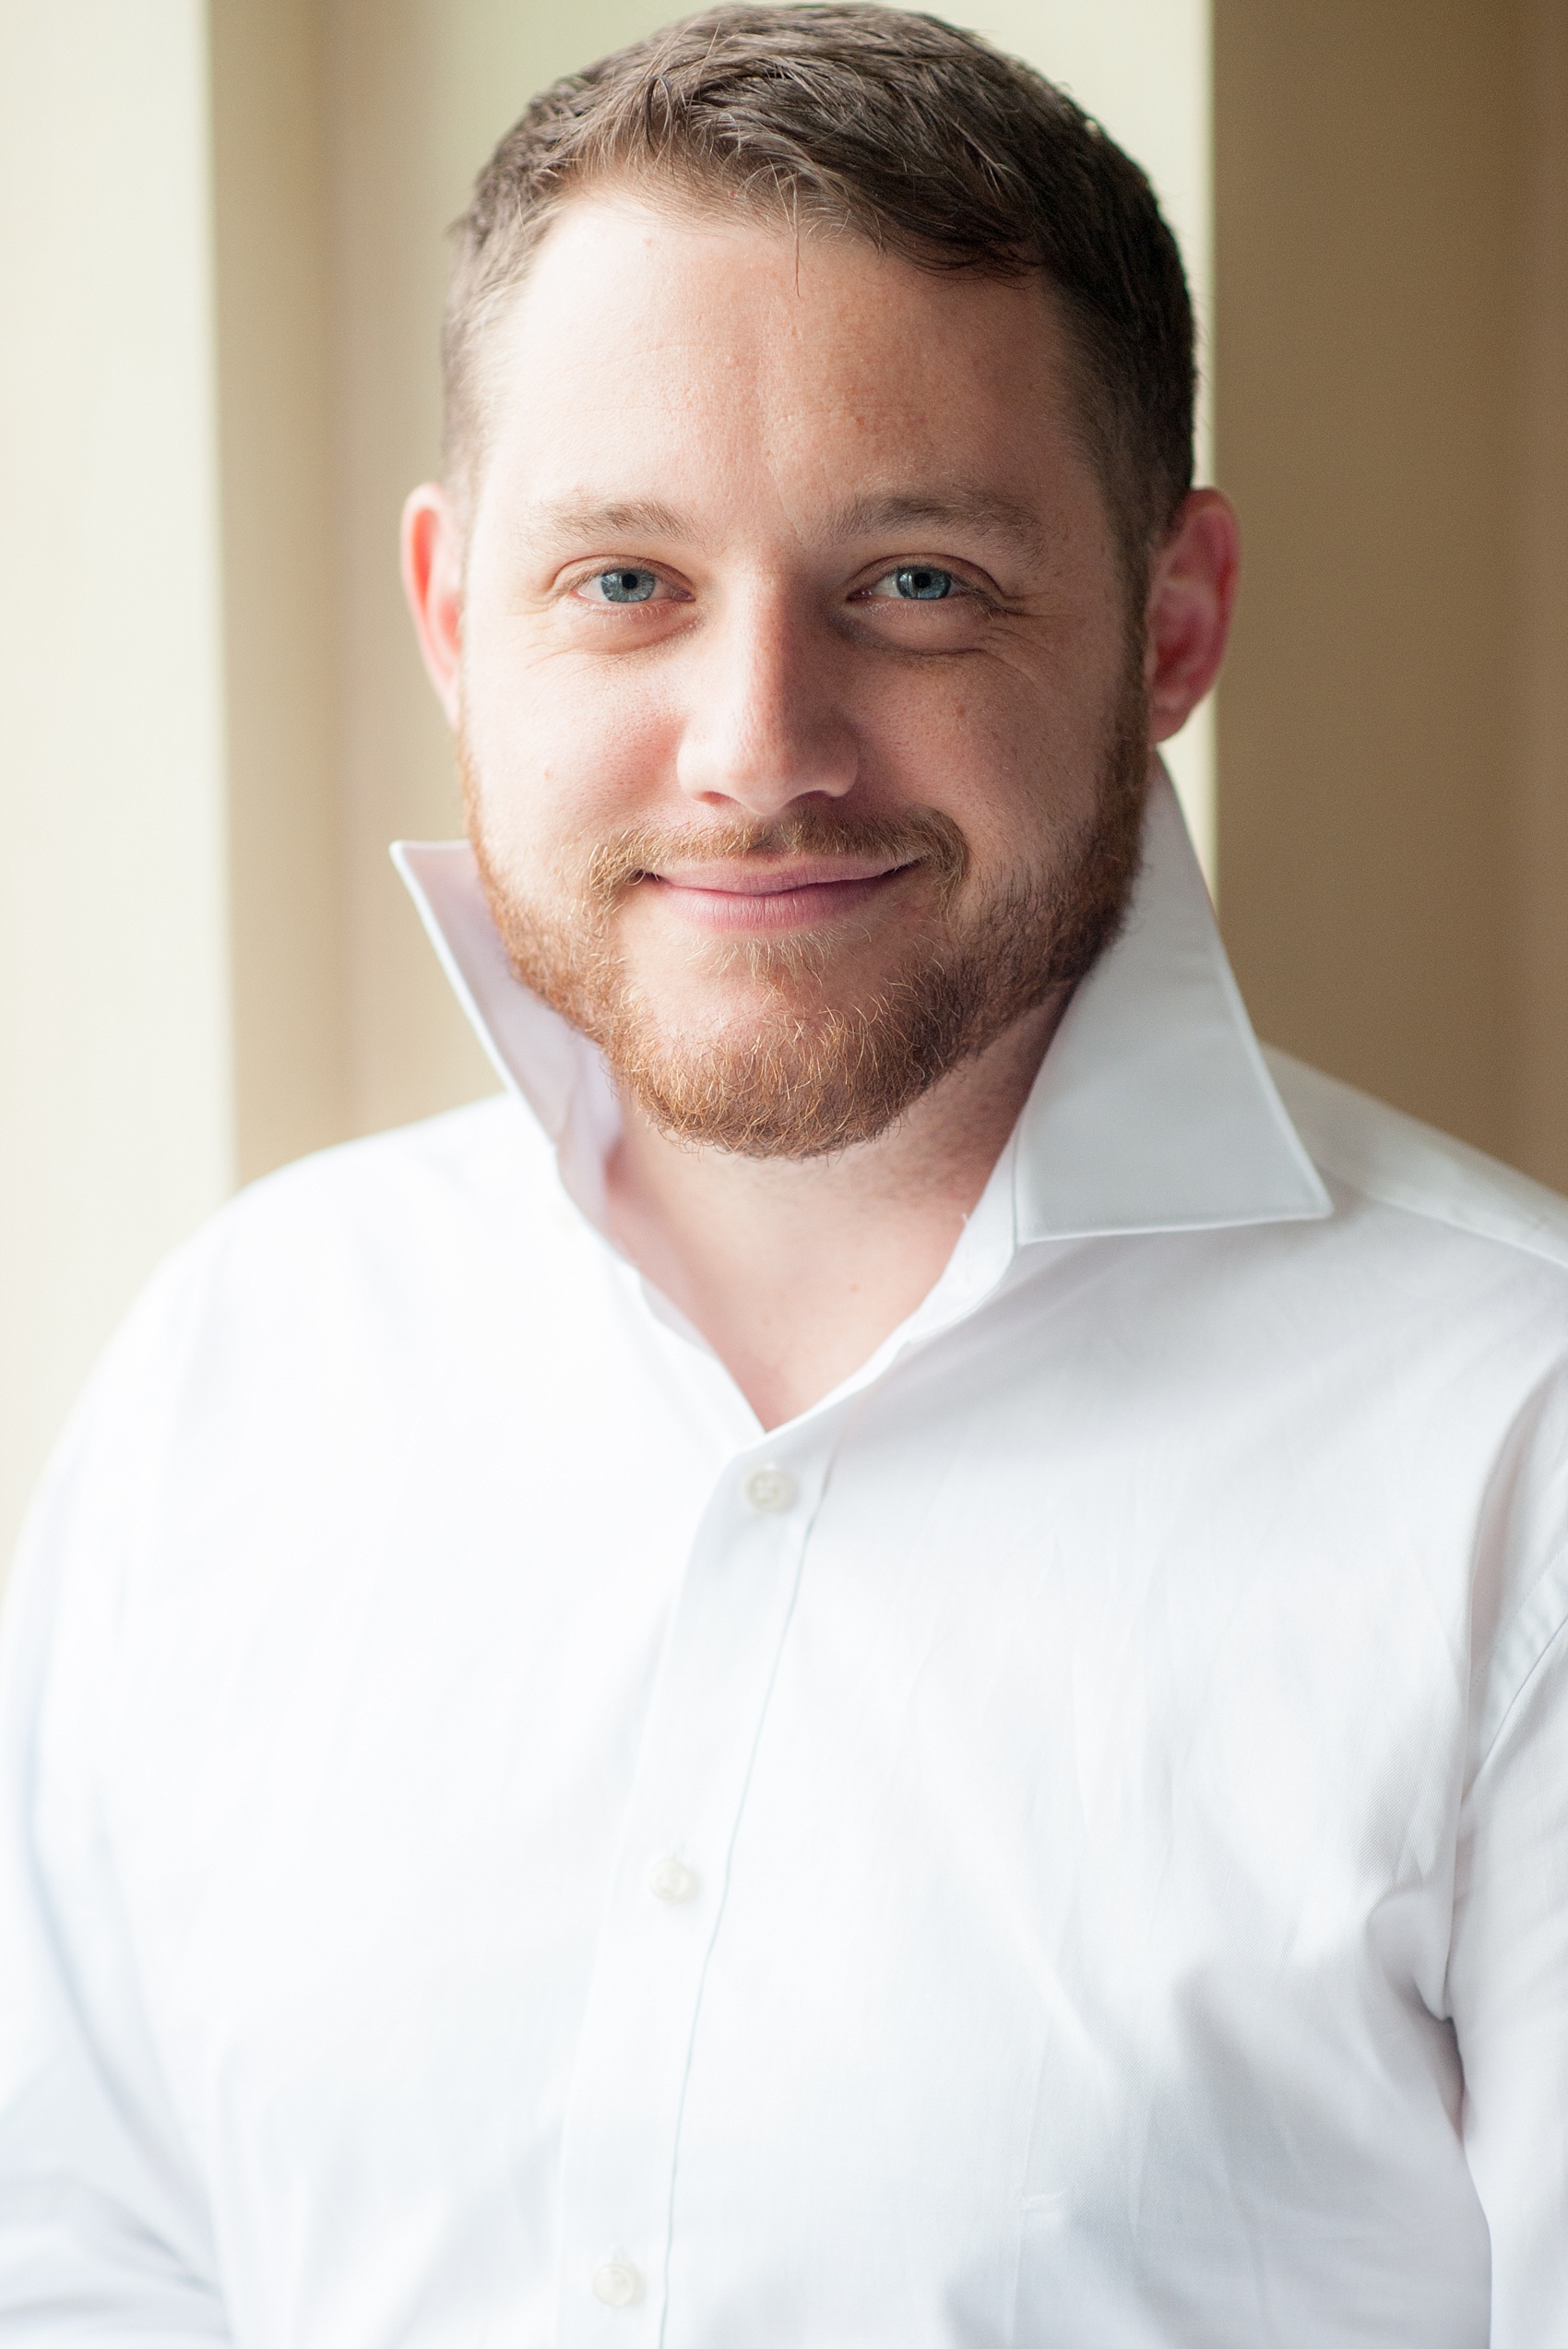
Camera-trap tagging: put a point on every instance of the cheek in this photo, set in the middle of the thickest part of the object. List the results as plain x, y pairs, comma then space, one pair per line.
560, 749
993, 747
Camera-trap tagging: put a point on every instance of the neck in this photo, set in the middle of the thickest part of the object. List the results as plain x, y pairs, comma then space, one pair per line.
795, 1271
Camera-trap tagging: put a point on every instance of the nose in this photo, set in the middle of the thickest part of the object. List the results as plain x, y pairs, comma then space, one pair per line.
766, 725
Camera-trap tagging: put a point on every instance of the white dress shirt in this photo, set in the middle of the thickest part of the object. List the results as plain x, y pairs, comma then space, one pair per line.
1064, 1845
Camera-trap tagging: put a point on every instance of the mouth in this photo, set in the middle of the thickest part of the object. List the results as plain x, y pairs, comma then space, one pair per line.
790, 893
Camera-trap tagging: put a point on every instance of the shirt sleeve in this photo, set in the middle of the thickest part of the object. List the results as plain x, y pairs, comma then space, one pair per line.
1508, 1993
103, 2233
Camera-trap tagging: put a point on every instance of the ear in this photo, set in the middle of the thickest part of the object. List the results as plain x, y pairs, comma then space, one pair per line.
1191, 593
432, 581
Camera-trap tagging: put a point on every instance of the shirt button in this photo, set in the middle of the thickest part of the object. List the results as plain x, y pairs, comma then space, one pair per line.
771, 1490
671, 1880
617, 2284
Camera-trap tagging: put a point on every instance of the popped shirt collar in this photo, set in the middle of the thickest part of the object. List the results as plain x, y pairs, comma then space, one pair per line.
1153, 1110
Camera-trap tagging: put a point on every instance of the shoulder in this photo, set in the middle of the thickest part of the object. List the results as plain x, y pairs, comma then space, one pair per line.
470, 1158
1454, 1271
302, 1318
370, 1250
1379, 1158
387, 1207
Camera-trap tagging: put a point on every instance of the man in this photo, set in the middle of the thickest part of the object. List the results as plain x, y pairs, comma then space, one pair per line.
882, 1664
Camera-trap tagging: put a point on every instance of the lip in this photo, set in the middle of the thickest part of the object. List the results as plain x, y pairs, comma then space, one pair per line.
789, 895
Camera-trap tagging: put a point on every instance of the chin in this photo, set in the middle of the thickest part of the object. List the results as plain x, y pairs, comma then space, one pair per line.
779, 1070
721, 980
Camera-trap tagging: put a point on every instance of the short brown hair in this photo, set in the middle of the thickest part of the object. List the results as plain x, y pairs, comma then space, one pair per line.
909, 131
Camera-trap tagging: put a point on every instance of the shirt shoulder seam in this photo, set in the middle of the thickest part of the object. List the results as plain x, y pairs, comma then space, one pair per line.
1505, 1226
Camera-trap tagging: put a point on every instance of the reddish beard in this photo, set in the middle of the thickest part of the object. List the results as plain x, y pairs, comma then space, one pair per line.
818, 1070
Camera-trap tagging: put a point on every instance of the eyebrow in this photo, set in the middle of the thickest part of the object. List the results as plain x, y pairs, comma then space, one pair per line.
963, 506
960, 507
615, 518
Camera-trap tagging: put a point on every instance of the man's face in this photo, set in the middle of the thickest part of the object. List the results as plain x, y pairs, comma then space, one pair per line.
801, 724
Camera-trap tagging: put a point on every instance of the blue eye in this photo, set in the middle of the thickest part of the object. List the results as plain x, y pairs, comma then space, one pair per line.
630, 585
917, 583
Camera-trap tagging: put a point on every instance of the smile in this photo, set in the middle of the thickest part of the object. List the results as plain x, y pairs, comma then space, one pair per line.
788, 895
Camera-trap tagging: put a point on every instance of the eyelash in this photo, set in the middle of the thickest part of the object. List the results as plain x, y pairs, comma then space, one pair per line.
961, 587
609, 571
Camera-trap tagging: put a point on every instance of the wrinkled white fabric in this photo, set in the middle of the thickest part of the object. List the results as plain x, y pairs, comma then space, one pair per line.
1075, 1855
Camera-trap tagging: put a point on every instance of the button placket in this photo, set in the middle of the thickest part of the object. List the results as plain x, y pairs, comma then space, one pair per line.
704, 1719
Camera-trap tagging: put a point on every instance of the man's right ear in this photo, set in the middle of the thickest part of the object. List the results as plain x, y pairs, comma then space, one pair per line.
432, 581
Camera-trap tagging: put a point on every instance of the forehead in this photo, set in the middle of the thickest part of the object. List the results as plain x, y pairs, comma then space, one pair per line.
653, 352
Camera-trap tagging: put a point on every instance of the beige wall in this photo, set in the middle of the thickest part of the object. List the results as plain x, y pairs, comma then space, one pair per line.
1392, 211
273, 276
116, 1057
1535, 1130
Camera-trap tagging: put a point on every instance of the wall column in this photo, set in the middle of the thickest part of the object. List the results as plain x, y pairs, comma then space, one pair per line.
1392, 212
116, 1078
1538, 871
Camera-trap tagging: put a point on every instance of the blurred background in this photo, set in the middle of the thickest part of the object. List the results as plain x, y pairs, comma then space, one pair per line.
222, 262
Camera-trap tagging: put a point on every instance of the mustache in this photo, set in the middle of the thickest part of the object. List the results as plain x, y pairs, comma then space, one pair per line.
923, 836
